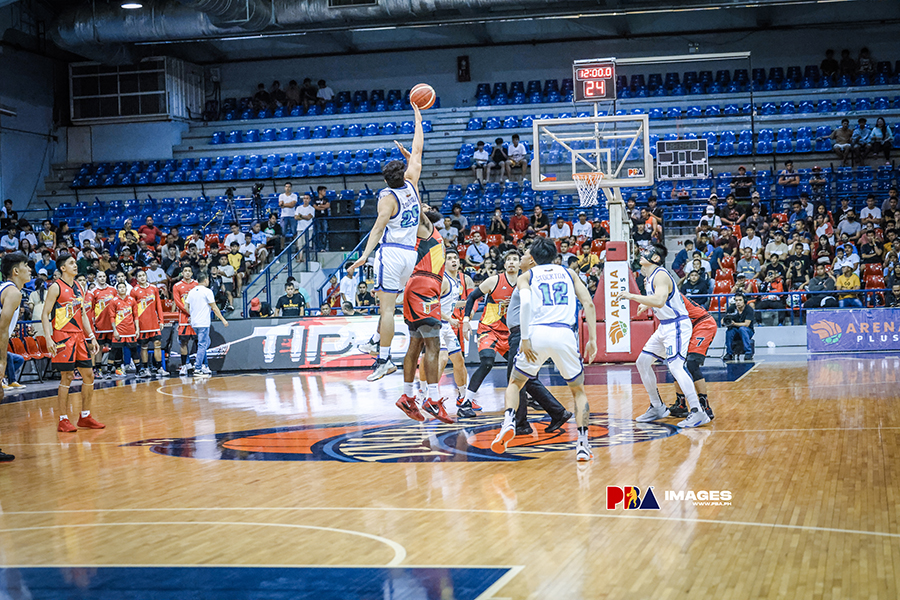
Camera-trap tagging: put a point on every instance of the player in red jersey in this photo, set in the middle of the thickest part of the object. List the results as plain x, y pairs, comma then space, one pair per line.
97, 300
422, 313
125, 326
703, 330
150, 320
68, 335
186, 333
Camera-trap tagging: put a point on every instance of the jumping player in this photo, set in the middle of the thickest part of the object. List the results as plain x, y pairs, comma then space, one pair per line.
96, 301
150, 320
395, 229
493, 335
16, 273
67, 339
548, 318
126, 329
186, 333
668, 343
422, 313
451, 291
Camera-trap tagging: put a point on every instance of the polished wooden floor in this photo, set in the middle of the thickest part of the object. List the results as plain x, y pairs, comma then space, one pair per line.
810, 451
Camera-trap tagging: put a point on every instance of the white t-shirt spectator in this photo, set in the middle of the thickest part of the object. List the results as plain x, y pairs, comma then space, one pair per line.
755, 244
156, 276
226, 274
198, 301
582, 230
481, 157
9, 243
234, 237
450, 234
848, 227
249, 252
288, 211
517, 153
305, 211
28, 235
870, 213
715, 223
325, 93
562, 231
348, 288
87, 234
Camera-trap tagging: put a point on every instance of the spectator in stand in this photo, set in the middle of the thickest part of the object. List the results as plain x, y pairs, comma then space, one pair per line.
321, 203
892, 298
850, 226
156, 276
87, 234
149, 232
30, 253
226, 281
865, 65
789, 180
731, 213
260, 309
278, 96
364, 297
830, 65
10, 241
234, 236
682, 257
748, 265
848, 280
293, 304
564, 252
451, 233
726, 245
710, 219
348, 287
860, 142
459, 220
633, 213
47, 237
292, 93
817, 287
126, 229
892, 199
848, 65
324, 94
773, 264
236, 259
476, 252
871, 213
518, 156
739, 323
499, 160
480, 160
7, 215
598, 232
843, 257
797, 268
824, 229
518, 223
539, 221
819, 184
25, 233
64, 235
871, 251
308, 93
756, 202
560, 229
842, 142
694, 286
655, 210
882, 139
587, 261
261, 99
582, 229
797, 213
287, 202
497, 226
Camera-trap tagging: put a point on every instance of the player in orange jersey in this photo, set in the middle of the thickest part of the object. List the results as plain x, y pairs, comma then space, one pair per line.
186, 333
125, 326
96, 302
150, 320
493, 334
68, 337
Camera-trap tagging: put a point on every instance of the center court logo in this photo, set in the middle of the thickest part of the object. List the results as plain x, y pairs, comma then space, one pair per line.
828, 332
403, 441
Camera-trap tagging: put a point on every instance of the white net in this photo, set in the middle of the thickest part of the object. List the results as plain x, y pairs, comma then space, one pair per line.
588, 185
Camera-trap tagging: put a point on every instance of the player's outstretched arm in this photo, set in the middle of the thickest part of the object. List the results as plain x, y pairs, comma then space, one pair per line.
414, 162
387, 205
662, 286
482, 290
590, 313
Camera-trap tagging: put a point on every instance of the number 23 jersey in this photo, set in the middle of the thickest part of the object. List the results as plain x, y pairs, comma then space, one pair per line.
404, 223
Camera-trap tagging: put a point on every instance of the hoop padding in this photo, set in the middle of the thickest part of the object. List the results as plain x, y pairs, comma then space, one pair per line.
588, 185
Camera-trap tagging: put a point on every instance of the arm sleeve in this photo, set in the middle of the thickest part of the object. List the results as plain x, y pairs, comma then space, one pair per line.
472, 300
159, 307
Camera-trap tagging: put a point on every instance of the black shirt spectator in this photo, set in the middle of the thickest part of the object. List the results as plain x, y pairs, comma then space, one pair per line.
321, 203
774, 264
830, 65
870, 250
742, 184
261, 98
695, 286
10, 217
539, 221
291, 306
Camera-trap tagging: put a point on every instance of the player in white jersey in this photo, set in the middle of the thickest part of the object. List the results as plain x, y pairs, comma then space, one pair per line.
670, 342
395, 231
451, 291
16, 273
548, 317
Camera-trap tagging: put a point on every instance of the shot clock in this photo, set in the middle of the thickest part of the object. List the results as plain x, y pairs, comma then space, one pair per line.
595, 80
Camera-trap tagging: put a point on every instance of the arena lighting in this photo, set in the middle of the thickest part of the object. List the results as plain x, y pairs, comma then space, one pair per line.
132, 5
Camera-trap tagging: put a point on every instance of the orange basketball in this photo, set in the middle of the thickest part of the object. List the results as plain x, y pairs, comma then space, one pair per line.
422, 95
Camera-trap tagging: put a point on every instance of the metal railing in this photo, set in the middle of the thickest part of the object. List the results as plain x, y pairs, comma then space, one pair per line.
277, 265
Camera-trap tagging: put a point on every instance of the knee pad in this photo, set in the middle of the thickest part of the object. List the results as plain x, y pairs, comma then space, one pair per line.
487, 358
693, 363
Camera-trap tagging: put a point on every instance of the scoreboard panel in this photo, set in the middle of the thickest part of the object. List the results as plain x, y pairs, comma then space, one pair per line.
594, 80
682, 159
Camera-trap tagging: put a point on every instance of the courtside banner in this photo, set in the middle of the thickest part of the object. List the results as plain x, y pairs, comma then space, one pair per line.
298, 343
853, 330
618, 316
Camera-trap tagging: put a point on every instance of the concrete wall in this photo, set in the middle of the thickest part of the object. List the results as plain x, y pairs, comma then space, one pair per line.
123, 142
545, 61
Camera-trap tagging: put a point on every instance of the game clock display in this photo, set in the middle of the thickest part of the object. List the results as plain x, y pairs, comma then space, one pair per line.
594, 81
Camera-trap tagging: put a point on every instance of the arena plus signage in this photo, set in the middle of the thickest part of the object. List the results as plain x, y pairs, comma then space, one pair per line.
616, 277
402, 441
854, 330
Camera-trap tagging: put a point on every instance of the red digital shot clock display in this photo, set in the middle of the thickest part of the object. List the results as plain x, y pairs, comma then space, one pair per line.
595, 81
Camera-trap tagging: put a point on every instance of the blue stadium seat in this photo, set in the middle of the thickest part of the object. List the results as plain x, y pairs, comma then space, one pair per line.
285, 171
336, 131
320, 132
251, 136
269, 135
264, 172
510, 122
354, 130
712, 110
863, 104
230, 174
475, 123
492, 123
218, 137
373, 167
806, 107
212, 175
407, 128
767, 108
787, 108
371, 129
823, 106
290, 159
693, 112
301, 170
302, 133
673, 112
380, 154
843, 105
764, 147
389, 128
285, 134
234, 137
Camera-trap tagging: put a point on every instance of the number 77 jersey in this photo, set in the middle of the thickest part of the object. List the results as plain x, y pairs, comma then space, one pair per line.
553, 297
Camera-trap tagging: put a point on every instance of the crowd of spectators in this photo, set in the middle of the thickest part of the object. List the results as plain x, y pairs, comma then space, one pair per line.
305, 95
862, 142
510, 161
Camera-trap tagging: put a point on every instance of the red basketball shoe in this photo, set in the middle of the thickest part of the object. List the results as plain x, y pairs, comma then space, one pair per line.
89, 422
65, 426
435, 408
409, 406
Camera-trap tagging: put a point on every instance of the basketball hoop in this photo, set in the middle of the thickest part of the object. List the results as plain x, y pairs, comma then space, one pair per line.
588, 185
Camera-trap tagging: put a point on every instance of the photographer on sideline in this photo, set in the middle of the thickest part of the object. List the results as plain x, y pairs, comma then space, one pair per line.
739, 321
